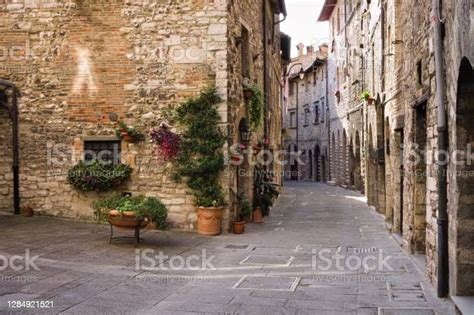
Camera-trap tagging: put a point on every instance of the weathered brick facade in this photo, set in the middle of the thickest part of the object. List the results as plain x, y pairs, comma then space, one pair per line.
80, 64
387, 48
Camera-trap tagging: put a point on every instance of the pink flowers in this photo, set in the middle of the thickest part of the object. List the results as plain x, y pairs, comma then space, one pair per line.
167, 142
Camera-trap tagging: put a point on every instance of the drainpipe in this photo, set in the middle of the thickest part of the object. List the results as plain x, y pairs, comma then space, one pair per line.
443, 261
328, 119
265, 80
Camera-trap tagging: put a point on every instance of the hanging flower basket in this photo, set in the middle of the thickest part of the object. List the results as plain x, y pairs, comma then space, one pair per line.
167, 142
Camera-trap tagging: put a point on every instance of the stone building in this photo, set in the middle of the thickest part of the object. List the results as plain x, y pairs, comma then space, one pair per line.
82, 66
388, 145
304, 115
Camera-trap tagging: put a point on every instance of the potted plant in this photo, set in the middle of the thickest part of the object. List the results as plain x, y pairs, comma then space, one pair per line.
237, 152
264, 194
248, 92
256, 103
243, 216
365, 96
98, 176
131, 212
128, 134
201, 160
260, 145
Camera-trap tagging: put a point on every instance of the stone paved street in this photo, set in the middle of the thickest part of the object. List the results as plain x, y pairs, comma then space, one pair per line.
272, 269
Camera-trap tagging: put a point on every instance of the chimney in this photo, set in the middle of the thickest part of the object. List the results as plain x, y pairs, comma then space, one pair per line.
300, 47
324, 48
310, 50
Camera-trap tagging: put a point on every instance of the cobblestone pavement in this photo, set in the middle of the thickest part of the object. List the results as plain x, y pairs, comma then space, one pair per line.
305, 259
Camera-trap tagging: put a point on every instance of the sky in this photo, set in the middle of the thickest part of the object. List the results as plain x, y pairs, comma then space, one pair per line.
302, 24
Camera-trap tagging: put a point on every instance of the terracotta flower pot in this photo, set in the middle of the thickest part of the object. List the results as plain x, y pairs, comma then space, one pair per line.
248, 94
257, 215
128, 138
239, 227
27, 212
257, 149
209, 220
235, 158
126, 219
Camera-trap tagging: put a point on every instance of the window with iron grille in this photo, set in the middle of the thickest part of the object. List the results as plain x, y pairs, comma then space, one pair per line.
105, 151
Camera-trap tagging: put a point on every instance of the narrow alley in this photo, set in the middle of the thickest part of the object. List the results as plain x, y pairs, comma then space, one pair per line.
287, 265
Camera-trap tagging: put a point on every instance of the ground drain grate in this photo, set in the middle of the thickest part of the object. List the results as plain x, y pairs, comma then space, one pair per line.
406, 292
268, 283
237, 246
406, 311
356, 250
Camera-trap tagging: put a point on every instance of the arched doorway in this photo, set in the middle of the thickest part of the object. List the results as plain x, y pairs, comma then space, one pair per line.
310, 160
244, 183
333, 159
338, 159
317, 159
292, 149
9, 103
344, 159
357, 167
420, 174
462, 234
371, 176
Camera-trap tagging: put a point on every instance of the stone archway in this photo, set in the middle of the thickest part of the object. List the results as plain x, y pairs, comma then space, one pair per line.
9, 105
358, 184
420, 175
332, 160
244, 183
310, 171
344, 159
317, 160
462, 205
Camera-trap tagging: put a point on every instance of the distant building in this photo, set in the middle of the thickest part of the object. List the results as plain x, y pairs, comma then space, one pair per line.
305, 115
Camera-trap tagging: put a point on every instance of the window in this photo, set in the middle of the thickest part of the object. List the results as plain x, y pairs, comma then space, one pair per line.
293, 119
315, 77
245, 52
105, 151
292, 88
419, 74
323, 109
307, 114
316, 113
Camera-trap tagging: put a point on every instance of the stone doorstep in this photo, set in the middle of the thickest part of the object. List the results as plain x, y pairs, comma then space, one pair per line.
405, 311
464, 304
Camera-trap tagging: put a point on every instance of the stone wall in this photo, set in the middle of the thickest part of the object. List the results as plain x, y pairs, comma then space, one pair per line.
399, 71
85, 63
81, 66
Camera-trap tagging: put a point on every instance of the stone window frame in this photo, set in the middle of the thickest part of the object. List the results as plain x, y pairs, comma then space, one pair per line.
293, 122
322, 101
245, 49
316, 113
80, 148
307, 114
